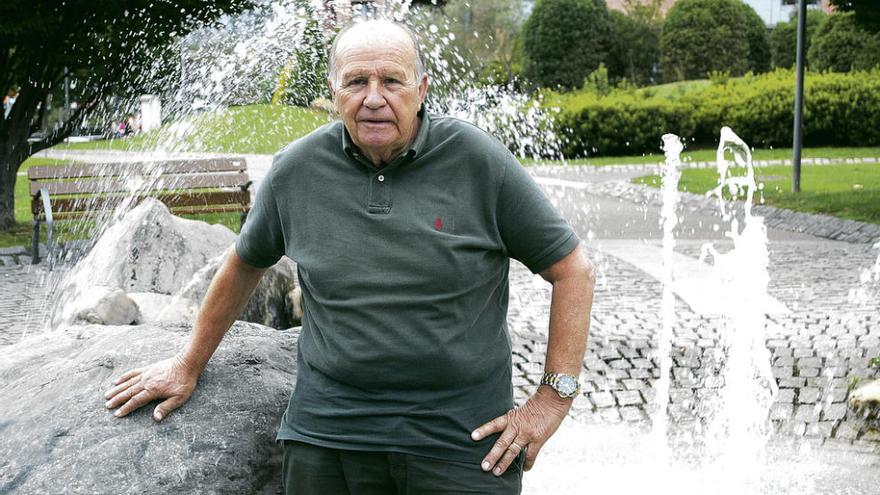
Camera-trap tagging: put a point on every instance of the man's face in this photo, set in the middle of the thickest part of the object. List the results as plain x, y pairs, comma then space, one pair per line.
377, 93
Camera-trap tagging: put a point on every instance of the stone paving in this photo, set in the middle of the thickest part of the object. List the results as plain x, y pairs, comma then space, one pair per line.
816, 352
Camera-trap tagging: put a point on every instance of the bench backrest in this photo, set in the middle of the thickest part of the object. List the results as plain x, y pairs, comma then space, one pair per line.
194, 186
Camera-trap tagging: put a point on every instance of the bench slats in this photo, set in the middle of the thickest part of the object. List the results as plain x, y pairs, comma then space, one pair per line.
239, 201
132, 168
114, 185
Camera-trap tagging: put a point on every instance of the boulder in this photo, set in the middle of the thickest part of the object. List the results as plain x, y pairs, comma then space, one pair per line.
57, 437
113, 308
269, 305
99, 305
151, 251
160, 308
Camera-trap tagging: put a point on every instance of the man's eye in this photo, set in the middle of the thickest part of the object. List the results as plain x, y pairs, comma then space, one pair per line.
391, 80
358, 81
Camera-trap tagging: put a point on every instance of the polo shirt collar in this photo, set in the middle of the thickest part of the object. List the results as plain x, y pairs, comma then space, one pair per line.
415, 149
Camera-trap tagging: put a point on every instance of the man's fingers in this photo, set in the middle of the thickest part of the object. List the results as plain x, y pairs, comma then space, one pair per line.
504, 442
507, 458
124, 395
168, 405
532, 455
141, 399
494, 426
119, 388
127, 376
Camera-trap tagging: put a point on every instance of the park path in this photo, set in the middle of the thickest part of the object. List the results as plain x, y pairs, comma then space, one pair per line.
819, 340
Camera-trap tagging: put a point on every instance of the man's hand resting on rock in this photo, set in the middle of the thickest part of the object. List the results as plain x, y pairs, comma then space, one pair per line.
170, 379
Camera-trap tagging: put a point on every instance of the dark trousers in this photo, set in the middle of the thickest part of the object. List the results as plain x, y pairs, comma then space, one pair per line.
311, 470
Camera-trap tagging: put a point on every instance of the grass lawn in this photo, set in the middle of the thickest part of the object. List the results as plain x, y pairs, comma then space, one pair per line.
845, 191
708, 155
260, 129
20, 234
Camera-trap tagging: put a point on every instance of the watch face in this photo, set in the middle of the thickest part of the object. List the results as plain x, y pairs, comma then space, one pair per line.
567, 385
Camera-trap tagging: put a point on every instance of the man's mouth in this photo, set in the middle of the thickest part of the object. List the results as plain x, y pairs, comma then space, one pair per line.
375, 121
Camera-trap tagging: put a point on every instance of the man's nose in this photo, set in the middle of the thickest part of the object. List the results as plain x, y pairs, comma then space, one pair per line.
374, 98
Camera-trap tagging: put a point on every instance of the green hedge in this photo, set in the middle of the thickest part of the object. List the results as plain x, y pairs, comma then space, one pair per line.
840, 109
622, 125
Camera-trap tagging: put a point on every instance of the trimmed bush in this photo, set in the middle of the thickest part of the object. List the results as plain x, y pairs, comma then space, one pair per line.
758, 38
622, 124
783, 39
839, 110
840, 45
564, 41
635, 48
701, 36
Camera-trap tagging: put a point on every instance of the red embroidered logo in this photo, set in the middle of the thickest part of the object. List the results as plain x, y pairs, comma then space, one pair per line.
438, 224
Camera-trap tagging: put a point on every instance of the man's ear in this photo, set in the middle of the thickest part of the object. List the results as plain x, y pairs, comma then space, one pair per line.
423, 88
332, 93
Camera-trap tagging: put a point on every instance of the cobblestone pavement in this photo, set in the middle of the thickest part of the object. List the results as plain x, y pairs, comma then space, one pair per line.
816, 351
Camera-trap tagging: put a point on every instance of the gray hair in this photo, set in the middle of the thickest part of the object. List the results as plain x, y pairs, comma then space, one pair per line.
331, 59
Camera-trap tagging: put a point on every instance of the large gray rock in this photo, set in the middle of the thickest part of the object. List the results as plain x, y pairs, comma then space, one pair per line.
147, 250
270, 303
57, 437
101, 305
151, 251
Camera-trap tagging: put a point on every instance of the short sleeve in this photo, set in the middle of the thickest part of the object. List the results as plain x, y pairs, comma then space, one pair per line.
532, 229
261, 242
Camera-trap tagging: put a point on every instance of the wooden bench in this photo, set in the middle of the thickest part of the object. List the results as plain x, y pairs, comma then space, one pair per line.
65, 192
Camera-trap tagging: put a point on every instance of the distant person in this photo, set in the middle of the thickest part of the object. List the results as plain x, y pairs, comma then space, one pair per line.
402, 224
8, 102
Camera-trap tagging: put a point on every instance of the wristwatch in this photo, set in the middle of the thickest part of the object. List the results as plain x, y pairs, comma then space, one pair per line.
566, 386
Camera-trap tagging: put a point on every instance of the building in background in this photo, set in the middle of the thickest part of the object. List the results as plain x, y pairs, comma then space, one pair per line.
772, 11
621, 4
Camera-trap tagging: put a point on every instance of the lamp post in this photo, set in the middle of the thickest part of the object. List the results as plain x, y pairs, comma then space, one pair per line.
799, 97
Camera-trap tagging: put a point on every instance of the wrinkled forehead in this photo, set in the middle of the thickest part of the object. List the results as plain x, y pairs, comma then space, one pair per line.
380, 38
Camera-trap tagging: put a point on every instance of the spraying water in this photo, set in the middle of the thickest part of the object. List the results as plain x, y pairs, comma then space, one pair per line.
739, 428
672, 147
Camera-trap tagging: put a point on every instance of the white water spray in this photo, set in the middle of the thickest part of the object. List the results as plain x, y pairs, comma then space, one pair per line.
739, 428
672, 148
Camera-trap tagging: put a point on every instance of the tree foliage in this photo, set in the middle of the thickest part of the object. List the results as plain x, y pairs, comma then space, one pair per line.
783, 38
758, 36
304, 79
564, 41
702, 36
841, 45
634, 48
103, 43
867, 12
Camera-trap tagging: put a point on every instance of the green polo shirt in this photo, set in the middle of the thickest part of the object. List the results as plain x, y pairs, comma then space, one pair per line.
404, 276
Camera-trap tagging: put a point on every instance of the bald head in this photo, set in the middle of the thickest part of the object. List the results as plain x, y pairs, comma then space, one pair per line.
377, 33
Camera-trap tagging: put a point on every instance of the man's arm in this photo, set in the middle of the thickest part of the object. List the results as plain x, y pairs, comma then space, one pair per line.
175, 379
532, 424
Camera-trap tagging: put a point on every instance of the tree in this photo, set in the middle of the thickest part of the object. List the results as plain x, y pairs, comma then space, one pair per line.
867, 12
102, 43
701, 36
635, 48
564, 41
783, 38
758, 36
485, 34
304, 79
841, 45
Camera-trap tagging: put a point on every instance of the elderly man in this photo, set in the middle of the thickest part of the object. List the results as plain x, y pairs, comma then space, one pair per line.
402, 225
